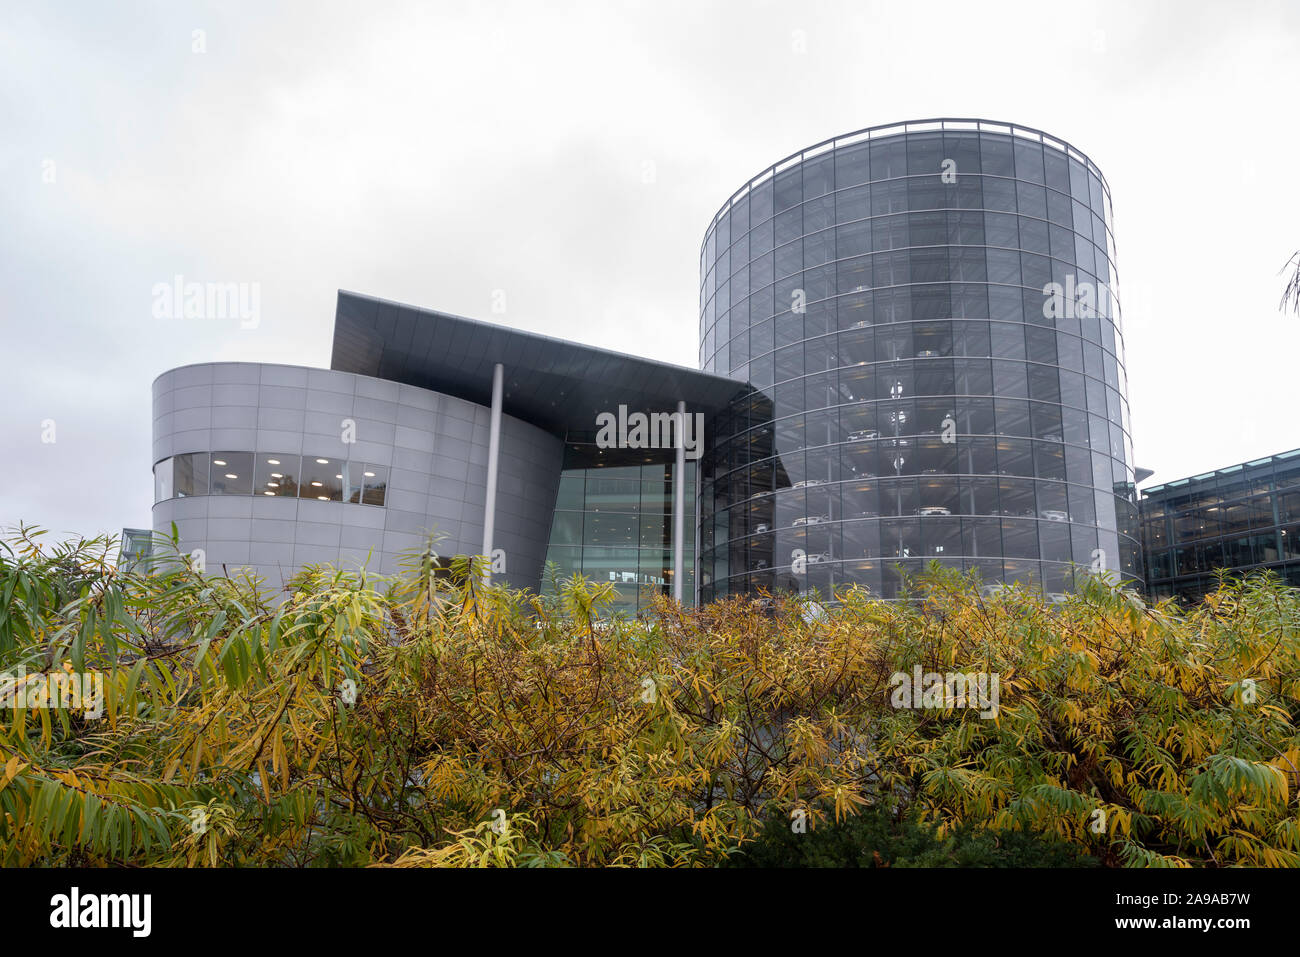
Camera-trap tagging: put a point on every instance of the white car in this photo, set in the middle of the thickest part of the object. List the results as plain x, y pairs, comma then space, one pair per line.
762, 527
811, 520
927, 354
933, 510
808, 483
863, 435
1055, 515
818, 558
860, 324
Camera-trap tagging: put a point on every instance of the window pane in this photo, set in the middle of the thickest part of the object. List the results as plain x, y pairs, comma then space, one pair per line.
276, 473
353, 477
375, 478
321, 479
162, 480
192, 474
232, 473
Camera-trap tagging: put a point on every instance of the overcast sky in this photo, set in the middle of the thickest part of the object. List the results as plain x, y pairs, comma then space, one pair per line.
436, 153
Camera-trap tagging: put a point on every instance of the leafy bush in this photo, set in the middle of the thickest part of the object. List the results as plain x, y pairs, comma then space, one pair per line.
419, 720
876, 838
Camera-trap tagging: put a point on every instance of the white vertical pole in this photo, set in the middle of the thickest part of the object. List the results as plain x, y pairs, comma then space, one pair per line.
494, 453
679, 505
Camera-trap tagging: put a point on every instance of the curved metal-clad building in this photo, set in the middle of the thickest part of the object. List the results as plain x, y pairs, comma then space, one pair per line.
272, 467
486, 436
926, 314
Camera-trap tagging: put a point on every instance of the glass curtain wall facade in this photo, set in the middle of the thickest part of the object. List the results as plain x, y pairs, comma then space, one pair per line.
614, 523
922, 390
1243, 518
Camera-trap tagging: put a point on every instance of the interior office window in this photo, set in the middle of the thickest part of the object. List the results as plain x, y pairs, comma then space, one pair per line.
321, 479
191, 474
276, 473
162, 481
232, 473
374, 484
353, 477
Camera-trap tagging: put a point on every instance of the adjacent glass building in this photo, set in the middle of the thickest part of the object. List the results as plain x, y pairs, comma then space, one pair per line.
1243, 518
926, 316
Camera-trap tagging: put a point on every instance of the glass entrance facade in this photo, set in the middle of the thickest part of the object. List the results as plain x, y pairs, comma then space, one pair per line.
928, 317
614, 523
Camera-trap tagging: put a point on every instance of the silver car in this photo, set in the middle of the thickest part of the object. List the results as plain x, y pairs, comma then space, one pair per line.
811, 520
933, 510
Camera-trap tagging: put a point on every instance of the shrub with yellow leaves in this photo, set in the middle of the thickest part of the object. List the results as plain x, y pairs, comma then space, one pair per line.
425, 721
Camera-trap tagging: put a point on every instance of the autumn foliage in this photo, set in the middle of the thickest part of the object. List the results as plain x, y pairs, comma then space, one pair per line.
418, 721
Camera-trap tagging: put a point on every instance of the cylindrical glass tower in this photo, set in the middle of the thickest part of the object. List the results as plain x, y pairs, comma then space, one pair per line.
927, 314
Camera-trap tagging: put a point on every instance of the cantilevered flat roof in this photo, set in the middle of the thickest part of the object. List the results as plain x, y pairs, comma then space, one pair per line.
555, 384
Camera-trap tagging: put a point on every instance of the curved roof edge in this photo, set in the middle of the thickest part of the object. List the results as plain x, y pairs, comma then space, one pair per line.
949, 124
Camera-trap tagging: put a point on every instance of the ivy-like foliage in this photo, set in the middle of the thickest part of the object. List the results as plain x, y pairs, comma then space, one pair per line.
428, 719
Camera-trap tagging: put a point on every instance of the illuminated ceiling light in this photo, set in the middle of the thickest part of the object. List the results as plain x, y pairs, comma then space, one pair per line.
228, 475
323, 461
268, 493
323, 498
370, 475
272, 461
317, 484
277, 475
273, 485
338, 476
218, 462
